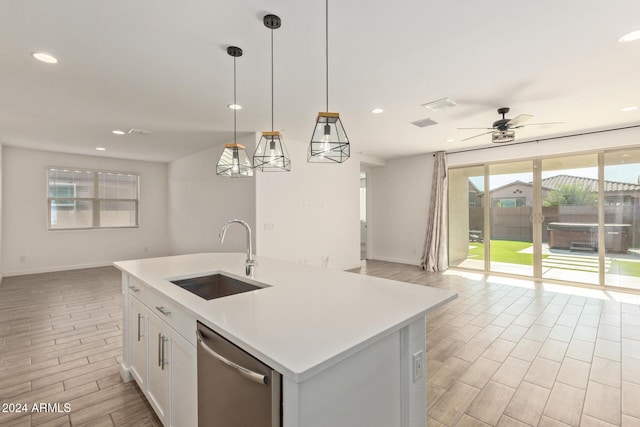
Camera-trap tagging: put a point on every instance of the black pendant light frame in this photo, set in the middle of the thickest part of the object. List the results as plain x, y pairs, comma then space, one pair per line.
271, 154
234, 161
329, 142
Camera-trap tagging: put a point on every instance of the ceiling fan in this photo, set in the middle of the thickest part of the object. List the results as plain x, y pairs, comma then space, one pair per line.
502, 129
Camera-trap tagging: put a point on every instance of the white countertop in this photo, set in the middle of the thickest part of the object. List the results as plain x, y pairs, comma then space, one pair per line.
307, 319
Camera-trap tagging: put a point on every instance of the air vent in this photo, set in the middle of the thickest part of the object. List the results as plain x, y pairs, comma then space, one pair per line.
424, 123
138, 132
439, 105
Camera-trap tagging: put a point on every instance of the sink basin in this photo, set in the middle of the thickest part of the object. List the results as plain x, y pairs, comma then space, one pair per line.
214, 286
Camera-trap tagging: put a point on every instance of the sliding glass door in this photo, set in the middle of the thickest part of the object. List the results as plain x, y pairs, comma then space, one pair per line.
511, 201
571, 218
622, 218
570, 228
466, 217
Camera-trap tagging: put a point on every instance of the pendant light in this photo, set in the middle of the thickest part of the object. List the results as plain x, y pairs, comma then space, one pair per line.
234, 161
271, 154
329, 142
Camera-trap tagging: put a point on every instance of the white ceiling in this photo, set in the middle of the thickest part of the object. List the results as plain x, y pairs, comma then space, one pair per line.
161, 65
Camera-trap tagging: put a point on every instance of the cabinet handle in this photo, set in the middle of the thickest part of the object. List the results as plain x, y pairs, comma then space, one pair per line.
134, 289
159, 347
139, 317
164, 339
163, 310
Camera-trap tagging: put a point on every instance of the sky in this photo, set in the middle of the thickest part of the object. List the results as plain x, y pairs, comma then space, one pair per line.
620, 173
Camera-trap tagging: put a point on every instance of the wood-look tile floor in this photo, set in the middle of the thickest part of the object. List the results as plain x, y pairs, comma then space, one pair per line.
61, 342
498, 355
510, 352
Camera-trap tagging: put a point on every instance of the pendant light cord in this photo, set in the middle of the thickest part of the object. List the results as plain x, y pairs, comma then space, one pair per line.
234, 102
326, 50
272, 80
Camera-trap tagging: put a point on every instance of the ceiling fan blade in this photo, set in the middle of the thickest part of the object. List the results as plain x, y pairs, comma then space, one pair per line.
475, 128
519, 119
471, 137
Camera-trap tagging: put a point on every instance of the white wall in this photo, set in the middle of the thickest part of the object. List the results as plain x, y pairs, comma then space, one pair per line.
200, 202
310, 214
1, 151
24, 216
400, 193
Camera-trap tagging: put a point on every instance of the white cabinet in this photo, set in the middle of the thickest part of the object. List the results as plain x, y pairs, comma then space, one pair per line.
138, 337
184, 385
159, 362
159, 357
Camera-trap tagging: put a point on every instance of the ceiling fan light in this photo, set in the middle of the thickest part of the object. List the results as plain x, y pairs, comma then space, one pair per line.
503, 136
329, 142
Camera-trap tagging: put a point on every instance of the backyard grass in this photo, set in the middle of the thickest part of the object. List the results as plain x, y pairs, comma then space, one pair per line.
507, 251
503, 251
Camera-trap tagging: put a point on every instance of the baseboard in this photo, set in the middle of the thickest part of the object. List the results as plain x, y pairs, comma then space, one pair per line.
415, 262
54, 269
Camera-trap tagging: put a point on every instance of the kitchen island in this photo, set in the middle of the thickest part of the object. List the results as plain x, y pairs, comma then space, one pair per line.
350, 348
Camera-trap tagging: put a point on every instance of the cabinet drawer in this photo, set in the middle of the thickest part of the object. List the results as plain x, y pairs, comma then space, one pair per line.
137, 288
170, 312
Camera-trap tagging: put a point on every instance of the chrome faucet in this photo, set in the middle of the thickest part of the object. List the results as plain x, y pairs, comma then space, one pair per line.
249, 263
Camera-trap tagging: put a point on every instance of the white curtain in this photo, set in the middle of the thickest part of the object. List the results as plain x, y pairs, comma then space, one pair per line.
434, 256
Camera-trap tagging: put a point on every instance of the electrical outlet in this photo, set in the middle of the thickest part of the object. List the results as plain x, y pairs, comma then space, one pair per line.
418, 366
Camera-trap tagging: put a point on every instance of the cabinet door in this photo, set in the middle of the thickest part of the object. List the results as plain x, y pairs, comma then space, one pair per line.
159, 373
184, 390
138, 337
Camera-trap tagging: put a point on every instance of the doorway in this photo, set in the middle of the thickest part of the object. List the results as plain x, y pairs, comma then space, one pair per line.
363, 215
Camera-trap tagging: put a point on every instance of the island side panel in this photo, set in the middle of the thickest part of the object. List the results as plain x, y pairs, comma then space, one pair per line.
414, 346
126, 345
362, 390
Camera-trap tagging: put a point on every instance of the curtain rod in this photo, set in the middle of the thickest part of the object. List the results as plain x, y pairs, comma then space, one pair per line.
542, 139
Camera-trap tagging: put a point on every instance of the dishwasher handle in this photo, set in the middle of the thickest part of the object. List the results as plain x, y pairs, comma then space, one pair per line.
247, 373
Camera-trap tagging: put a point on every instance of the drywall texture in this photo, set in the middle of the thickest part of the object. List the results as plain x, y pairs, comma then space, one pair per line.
400, 193
27, 245
310, 215
200, 202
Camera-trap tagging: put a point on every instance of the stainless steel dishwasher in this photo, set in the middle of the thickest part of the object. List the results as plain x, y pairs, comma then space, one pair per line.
234, 388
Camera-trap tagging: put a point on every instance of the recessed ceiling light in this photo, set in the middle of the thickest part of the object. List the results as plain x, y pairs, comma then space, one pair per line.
101, 149
629, 37
118, 132
631, 108
377, 111
235, 106
44, 57
450, 140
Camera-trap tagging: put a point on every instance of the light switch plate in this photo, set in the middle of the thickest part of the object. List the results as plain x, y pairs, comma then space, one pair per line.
418, 366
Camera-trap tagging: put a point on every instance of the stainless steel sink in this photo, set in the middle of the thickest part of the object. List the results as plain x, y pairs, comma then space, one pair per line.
215, 286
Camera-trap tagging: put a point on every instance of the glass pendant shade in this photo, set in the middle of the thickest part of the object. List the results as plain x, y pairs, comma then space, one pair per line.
271, 154
234, 162
329, 143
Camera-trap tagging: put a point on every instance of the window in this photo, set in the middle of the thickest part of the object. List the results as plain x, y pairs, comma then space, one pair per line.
91, 199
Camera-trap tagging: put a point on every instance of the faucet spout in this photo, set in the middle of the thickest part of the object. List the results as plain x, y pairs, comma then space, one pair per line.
249, 263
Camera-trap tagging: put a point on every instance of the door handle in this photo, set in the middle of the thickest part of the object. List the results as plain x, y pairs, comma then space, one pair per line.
159, 347
247, 373
139, 317
134, 289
